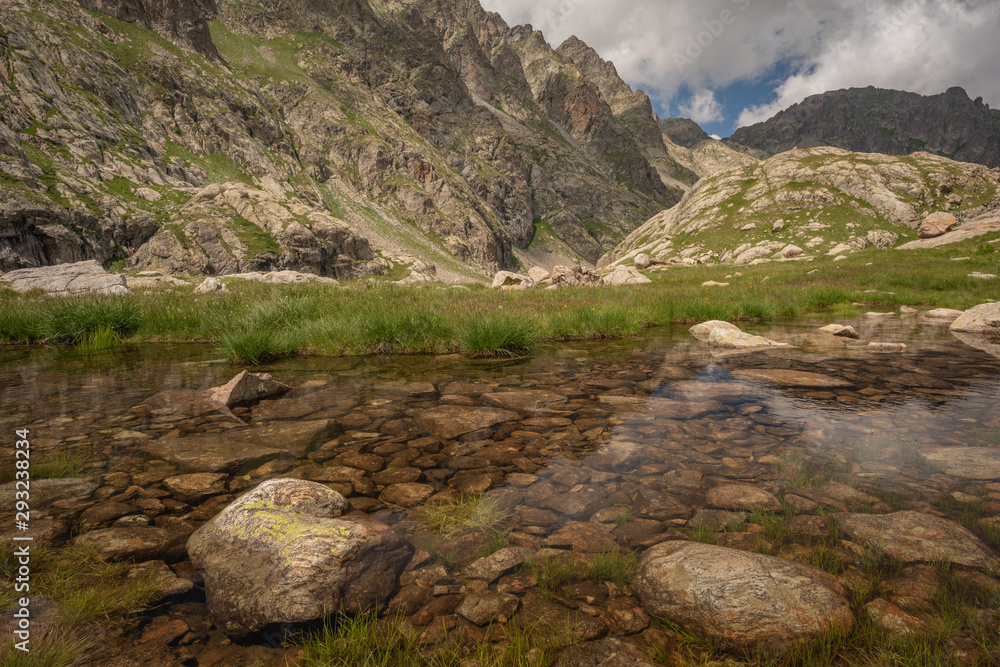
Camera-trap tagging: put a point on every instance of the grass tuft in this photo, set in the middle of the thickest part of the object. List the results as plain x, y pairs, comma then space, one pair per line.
498, 336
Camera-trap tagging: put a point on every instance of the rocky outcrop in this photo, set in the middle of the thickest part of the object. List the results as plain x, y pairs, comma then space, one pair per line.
184, 22
625, 275
67, 280
823, 200
873, 120
279, 554
575, 276
745, 601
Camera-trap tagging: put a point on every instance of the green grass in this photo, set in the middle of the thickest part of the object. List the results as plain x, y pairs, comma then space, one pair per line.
91, 319
466, 514
366, 641
498, 336
91, 595
615, 565
553, 572
254, 322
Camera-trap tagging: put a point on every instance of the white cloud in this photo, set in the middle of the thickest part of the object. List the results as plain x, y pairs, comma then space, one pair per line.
703, 108
924, 46
715, 136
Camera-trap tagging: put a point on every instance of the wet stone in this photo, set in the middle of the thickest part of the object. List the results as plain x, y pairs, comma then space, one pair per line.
582, 537
406, 495
486, 608
451, 421
915, 537
741, 497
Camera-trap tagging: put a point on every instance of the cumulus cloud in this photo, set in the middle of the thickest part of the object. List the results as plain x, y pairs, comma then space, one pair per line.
671, 48
703, 107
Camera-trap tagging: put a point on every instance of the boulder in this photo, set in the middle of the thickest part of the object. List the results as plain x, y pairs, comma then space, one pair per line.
643, 261
67, 280
936, 224
881, 239
575, 276
279, 554
841, 330
792, 251
917, 537
508, 279
248, 387
875, 346
981, 319
702, 331
625, 275
210, 285
739, 340
746, 602
538, 274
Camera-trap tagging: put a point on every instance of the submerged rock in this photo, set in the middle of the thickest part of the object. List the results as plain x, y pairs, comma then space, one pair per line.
790, 378
451, 421
279, 555
747, 602
914, 537
703, 330
945, 315
981, 463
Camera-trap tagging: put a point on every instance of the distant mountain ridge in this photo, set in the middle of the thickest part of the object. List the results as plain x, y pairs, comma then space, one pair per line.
892, 122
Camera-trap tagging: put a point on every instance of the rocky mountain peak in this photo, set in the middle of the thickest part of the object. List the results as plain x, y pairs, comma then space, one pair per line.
884, 121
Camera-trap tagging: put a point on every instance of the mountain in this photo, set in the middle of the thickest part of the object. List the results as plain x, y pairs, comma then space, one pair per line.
811, 202
700, 154
892, 122
339, 137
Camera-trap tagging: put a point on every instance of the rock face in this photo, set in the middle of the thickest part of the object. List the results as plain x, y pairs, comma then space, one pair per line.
936, 224
828, 201
280, 555
873, 120
745, 601
67, 280
982, 319
433, 129
917, 537
575, 276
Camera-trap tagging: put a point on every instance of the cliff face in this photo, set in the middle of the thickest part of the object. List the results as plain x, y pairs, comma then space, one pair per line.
340, 137
884, 121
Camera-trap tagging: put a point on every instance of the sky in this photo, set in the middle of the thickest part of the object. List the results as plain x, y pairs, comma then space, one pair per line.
728, 63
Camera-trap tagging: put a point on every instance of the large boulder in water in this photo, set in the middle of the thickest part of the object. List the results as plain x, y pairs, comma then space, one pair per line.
983, 319
278, 554
746, 602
